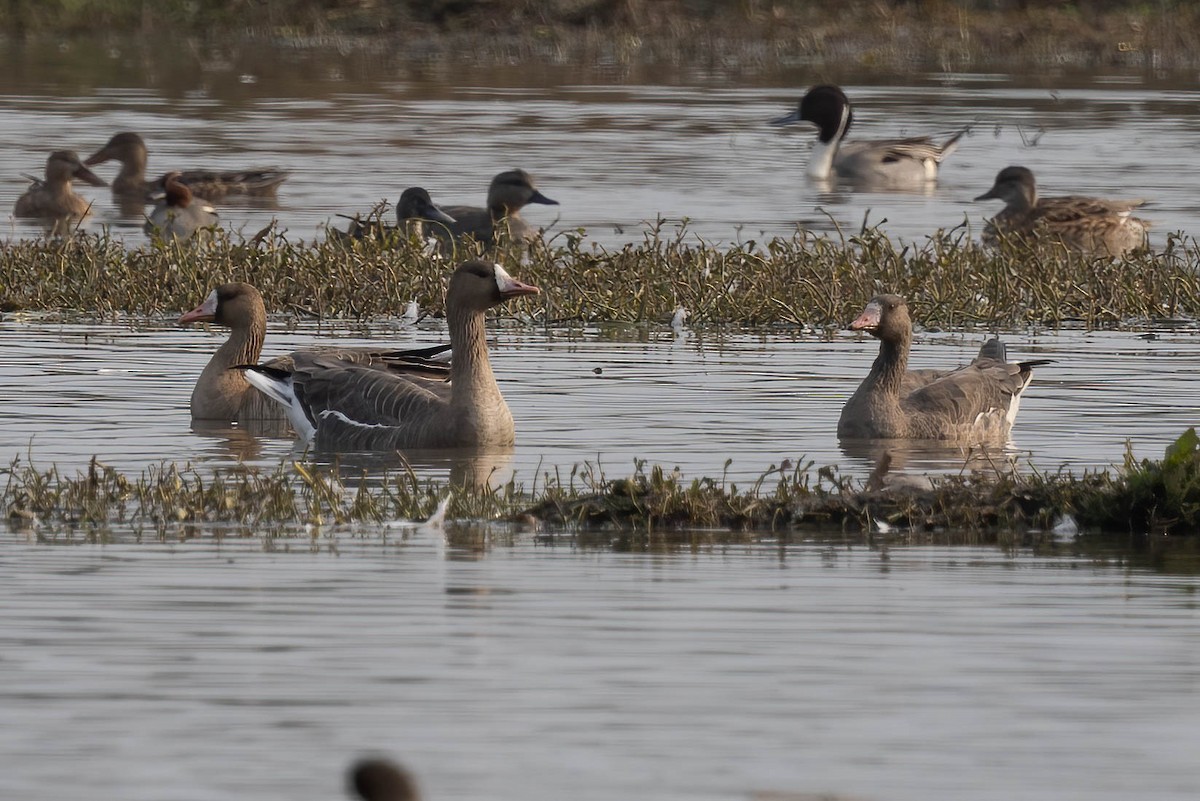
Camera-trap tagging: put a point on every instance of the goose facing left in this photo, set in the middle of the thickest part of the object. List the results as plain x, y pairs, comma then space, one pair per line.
911, 162
222, 393
347, 407
977, 402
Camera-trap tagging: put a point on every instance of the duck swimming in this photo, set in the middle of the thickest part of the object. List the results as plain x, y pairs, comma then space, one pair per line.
130, 184
885, 163
180, 214
1088, 225
508, 193
413, 210
53, 198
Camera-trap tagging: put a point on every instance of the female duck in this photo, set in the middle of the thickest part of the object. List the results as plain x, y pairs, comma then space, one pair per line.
344, 406
977, 402
508, 193
130, 149
53, 198
886, 163
180, 214
1088, 225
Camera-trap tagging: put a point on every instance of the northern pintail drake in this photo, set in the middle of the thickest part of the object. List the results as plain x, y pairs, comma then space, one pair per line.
377, 779
508, 193
222, 392
414, 209
884, 163
52, 198
130, 149
180, 214
346, 407
1088, 225
977, 402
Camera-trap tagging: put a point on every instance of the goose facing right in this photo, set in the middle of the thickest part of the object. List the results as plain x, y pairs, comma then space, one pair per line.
976, 402
911, 162
347, 407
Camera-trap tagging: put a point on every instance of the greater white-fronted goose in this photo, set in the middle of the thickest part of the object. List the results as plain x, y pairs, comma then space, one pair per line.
130, 149
52, 198
346, 407
508, 193
180, 214
1088, 225
376, 779
413, 210
223, 394
977, 402
884, 163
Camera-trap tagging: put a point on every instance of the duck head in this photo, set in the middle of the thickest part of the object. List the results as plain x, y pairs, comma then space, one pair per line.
64, 165
1015, 186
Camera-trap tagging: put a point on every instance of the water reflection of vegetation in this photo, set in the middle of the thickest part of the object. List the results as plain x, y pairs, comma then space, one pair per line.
730, 34
1149, 503
805, 280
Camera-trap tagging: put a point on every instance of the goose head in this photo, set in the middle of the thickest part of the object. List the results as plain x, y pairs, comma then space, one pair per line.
64, 165
232, 305
1015, 186
415, 204
826, 107
126, 147
479, 285
381, 780
511, 191
885, 317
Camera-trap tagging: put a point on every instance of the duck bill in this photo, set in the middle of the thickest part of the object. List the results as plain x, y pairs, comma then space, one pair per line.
87, 176
538, 197
206, 312
988, 195
869, 319
99, 157
512, 288
786, 119
434, 214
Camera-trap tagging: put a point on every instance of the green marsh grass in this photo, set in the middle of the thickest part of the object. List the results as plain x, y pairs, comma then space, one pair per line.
804, 280
646, 508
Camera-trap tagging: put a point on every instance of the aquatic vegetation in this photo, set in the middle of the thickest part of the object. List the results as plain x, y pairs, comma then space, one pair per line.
804, 280
649, 507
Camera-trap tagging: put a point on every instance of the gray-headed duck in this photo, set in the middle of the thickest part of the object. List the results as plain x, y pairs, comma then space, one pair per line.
508, 193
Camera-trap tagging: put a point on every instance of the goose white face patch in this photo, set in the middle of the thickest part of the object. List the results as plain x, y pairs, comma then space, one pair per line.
503, 279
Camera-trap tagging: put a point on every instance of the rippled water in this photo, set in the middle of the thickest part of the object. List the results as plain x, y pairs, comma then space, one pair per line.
607, 397
195, 670
250, 668
617, 149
